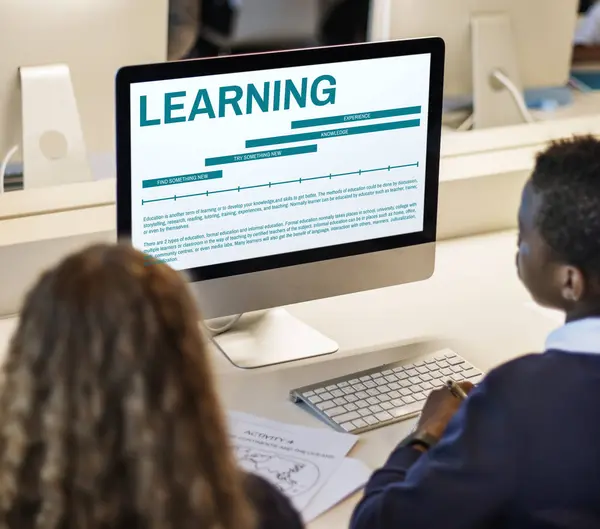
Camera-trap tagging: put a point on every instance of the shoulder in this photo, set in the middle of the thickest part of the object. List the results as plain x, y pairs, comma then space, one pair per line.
273, 509
522, 374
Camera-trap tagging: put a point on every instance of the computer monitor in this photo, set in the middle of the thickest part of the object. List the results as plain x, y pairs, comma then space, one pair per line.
280, 178
495, 48
57, 68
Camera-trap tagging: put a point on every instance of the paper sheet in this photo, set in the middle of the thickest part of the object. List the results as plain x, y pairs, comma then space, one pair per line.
351, 476
297, 460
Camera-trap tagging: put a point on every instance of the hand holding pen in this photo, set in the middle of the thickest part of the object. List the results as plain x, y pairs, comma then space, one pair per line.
441, 406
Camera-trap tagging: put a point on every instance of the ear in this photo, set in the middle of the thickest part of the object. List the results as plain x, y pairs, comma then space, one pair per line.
572, 284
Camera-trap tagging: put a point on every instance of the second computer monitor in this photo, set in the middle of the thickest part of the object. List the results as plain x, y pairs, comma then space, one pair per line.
529, 42
285, 177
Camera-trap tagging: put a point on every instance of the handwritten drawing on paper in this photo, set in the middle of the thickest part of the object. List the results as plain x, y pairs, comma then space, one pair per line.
292, 476
295, 459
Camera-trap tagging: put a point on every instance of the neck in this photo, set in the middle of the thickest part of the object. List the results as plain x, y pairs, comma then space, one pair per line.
582, 312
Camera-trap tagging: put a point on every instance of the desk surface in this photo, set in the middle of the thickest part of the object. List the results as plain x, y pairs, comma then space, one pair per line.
474, 304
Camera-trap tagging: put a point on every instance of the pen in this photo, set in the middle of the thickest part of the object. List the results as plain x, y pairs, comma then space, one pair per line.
456, 390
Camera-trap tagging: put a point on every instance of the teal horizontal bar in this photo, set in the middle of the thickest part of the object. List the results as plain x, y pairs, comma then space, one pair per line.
335, 133
262, 155
182, 179
361, 116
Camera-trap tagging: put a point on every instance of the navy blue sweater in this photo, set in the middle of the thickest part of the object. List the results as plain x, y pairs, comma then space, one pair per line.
523, 452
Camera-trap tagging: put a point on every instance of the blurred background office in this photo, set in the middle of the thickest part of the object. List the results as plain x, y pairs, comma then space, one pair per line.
540, 48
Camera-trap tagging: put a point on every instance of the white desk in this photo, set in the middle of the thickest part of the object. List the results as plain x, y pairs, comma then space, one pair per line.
473, 304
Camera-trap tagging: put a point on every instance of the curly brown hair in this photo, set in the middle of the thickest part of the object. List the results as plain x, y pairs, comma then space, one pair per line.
108, 411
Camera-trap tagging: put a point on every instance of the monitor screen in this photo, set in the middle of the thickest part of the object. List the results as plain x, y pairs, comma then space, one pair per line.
243, 166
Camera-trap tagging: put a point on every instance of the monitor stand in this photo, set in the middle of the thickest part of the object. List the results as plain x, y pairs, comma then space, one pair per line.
497, 90
53, 147
271, 337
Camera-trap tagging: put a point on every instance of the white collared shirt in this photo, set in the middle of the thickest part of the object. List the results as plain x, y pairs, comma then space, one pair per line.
581, 336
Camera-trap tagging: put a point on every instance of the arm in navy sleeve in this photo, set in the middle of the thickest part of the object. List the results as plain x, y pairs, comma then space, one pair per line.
461, 483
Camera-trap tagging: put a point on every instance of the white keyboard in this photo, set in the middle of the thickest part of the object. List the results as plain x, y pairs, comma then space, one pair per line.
387, 394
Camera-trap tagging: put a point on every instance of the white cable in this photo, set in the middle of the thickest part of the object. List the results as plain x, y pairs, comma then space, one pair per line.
516, 95
467, 124
223, 328
4, 165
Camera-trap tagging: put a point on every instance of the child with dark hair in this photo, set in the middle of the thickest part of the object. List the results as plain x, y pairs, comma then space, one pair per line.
522, 451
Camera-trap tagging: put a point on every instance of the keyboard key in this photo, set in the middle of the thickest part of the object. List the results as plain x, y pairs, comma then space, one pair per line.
351, 407
373, 392
384, 416
333, 412
326, 396
450, 355
386, 405
359, 387
435, 374
427, 386
419, 396
348, 391
391, 378
309, 394
407, 410
364, 412
398, 370
337, 393
457, 368
350, 416
394, 386
331, 388
405, 392
373, 401
343, 385
362, 403
402, 375
430, 361
419, 364
476, 379
470, 373
326, 405
353, 381
376, 409
365, 378
348, 426
319, 391
362, 395
412, 372
370, 384
422, 370
408, 399
387, 372
442, 363
406, 383
351, 398
455, 361
383, 388
340, 401
447, 372
315, 399
371, 420
360, 423
394, 394
415, 381
425, 377
384, 398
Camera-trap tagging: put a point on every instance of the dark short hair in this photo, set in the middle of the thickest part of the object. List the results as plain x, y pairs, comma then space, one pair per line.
567, 177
